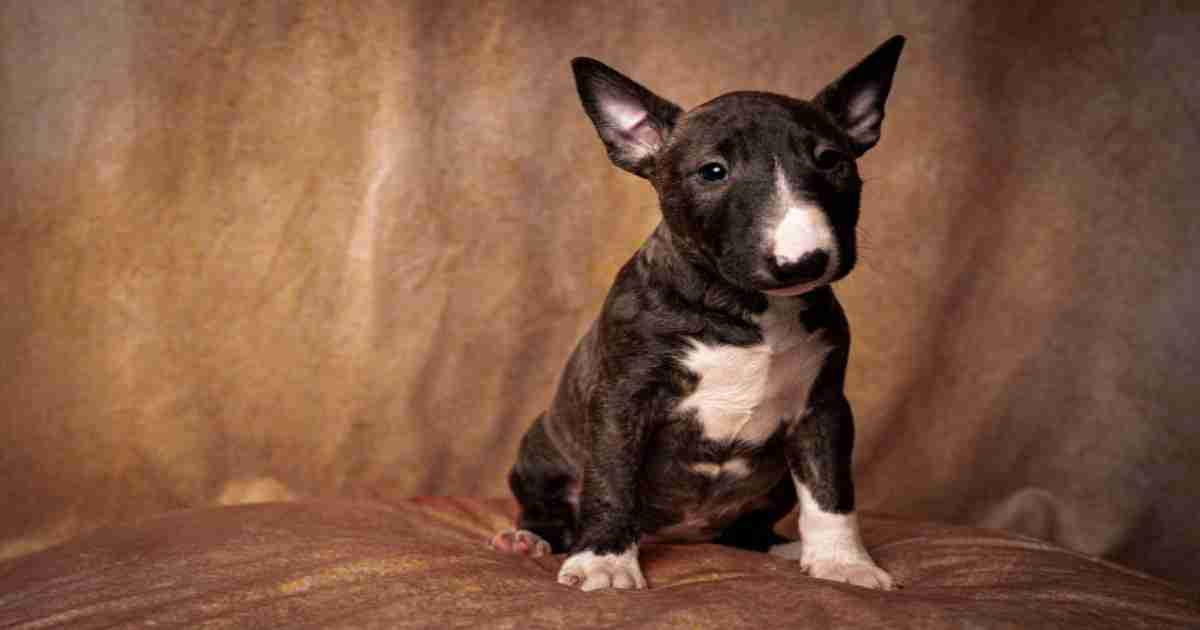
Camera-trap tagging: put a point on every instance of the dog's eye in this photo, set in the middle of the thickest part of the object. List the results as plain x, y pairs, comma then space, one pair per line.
827, 158
713, 172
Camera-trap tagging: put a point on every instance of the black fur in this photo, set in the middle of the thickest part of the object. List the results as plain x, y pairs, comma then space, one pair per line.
610, 460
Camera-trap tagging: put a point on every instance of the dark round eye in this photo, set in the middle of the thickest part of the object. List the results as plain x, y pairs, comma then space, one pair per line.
827, 158
713, 172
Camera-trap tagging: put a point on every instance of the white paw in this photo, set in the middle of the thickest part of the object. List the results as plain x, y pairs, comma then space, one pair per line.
864, 574
520, 541
851, 566
590, 571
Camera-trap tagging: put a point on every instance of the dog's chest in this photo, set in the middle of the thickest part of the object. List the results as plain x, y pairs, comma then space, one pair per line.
745, 392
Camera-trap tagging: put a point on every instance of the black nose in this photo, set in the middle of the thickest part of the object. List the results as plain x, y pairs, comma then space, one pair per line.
811, 266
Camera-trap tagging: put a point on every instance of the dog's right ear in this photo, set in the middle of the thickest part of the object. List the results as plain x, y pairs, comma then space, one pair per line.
632, 121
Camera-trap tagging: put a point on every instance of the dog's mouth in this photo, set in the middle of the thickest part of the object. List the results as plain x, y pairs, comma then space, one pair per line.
822, 270
798, 289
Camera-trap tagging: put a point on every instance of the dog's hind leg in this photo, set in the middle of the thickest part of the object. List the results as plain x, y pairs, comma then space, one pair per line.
545, 485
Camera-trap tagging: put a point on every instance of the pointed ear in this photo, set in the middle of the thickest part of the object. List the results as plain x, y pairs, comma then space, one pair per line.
632, 121
855, 100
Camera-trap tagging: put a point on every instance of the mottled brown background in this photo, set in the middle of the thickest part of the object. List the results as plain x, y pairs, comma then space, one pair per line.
260, 250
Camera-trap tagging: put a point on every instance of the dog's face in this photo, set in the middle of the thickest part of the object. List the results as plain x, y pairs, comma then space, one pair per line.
766, 187
763, 186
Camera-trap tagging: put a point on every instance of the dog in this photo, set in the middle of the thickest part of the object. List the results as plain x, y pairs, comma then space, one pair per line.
706, 399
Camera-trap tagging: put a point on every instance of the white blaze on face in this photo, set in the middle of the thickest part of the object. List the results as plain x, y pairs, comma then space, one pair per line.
802, 227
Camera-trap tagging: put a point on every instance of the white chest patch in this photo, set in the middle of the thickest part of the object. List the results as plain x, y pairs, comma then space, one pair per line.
745, 392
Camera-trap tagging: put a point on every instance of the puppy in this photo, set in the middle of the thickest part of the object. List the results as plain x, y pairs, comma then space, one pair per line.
706, 399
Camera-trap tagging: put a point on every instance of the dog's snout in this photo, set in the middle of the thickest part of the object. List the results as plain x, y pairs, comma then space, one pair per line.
807, 268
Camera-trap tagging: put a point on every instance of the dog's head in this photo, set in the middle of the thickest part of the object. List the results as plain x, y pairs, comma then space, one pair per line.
763, 186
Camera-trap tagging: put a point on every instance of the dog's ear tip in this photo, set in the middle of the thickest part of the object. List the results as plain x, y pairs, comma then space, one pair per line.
893, 45
586, 65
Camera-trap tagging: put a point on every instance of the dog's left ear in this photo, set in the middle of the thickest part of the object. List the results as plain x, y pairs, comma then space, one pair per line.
855, 100
632, 121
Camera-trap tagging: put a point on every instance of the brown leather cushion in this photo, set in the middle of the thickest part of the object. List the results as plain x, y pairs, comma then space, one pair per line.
425, 563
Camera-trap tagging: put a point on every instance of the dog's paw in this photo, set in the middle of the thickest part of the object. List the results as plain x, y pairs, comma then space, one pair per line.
851, 568
520, 541
590, 571
865, 574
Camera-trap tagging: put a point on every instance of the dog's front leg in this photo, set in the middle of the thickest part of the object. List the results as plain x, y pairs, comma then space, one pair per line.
818, 451
606, 554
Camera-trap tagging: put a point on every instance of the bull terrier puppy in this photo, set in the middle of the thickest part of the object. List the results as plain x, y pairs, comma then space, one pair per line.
706, 399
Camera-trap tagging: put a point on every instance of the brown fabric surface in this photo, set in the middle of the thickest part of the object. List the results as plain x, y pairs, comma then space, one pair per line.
424, 564
274, 249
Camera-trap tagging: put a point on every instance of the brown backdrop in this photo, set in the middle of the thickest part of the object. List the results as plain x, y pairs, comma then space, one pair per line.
260, 250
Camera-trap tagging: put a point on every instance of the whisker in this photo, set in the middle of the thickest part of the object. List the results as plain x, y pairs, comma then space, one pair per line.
877, 178
866, 247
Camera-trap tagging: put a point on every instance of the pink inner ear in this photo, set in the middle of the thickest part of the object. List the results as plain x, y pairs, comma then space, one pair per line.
628, 128
624, 116
631, 122
643, 133
862, 113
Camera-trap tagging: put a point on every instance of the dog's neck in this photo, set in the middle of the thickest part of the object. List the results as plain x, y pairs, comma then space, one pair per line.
670, 262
